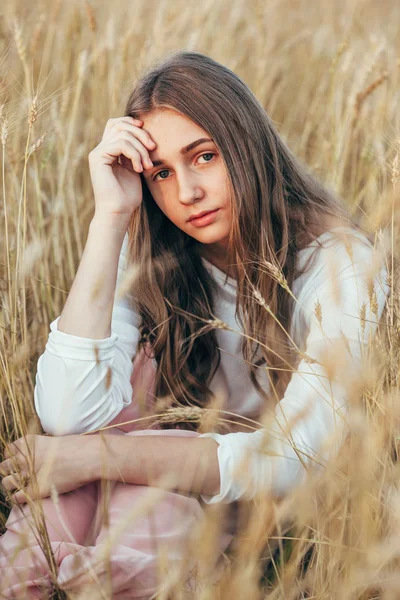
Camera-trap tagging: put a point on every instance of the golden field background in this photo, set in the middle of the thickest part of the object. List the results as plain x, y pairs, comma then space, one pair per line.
328, 74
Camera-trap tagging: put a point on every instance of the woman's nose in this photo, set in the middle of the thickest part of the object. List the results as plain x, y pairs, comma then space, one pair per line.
189, 189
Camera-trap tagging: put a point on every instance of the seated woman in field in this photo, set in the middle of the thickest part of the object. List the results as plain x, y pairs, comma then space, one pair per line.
217, 272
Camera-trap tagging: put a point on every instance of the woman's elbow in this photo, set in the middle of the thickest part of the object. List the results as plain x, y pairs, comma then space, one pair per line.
57, 425
56, 420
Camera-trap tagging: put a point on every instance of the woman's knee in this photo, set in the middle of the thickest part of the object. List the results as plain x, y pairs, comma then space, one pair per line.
68, 519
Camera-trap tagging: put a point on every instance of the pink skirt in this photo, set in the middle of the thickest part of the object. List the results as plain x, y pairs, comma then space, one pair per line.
94, 545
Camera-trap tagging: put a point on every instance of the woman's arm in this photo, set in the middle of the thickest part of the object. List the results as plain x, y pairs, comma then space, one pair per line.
65, 463
310, 421
88, 308
187, 464
74, 392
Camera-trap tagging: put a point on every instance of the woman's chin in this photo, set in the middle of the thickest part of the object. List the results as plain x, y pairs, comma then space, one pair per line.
210, 236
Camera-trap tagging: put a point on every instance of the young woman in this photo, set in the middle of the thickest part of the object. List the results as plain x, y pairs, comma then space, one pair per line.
245, 305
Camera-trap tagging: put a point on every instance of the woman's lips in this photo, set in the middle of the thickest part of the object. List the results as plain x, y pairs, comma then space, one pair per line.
205, 219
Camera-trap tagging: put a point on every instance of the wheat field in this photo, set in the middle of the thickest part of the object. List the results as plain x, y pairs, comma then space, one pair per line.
328, 74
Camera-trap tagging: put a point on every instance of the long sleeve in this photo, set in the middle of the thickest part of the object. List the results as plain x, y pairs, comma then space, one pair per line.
74, 391
312, 413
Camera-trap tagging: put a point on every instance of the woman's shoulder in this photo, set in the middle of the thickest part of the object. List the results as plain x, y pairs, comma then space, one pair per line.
341, 252
337, 237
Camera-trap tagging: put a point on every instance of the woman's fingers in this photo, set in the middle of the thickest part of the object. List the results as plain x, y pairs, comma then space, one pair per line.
11, 465
130, 138
133, 132
132, 126
138, 132
114, 120
118, 147
12, 474
14, 481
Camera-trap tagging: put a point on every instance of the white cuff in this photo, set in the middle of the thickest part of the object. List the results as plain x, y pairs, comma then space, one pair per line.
239, 463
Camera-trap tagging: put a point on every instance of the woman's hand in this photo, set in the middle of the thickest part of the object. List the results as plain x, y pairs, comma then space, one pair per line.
65, 462
117, 185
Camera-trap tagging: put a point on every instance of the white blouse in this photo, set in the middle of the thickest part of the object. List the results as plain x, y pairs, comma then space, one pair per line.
73, 394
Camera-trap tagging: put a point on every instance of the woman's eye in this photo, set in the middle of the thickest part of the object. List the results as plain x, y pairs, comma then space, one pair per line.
166, 170
207, 154
159, 173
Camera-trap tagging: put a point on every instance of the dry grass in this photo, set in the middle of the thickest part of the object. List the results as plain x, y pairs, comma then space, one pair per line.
328, 74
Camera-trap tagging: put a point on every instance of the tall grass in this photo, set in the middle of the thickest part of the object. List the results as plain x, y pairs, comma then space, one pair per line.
328, 74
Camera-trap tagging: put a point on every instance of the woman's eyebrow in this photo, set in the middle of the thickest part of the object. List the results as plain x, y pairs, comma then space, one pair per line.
184, 150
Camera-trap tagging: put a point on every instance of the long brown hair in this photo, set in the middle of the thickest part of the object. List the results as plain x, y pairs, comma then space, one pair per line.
278, 208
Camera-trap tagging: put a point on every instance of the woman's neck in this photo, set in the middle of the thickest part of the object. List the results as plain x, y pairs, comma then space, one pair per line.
217, 257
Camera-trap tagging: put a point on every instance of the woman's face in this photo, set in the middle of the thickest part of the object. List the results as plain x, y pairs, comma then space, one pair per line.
185, 183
